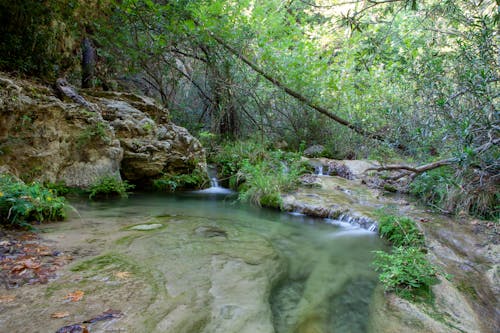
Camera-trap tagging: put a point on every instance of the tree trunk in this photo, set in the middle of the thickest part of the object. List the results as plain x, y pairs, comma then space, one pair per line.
88, 63
360, 130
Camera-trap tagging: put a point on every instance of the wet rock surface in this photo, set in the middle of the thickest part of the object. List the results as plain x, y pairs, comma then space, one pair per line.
462, 250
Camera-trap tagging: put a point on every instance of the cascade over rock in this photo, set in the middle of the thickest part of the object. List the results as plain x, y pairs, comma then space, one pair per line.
45, 138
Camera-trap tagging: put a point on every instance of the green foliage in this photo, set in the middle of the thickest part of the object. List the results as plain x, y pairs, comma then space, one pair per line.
108, 186
231, 155
261, 175
400, 231
59, 188
433, 187
407, 272
97, 131
170, 183
21, 204
34, 36
459, 190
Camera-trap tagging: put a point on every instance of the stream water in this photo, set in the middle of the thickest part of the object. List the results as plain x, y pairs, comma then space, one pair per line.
201, 262
324, 282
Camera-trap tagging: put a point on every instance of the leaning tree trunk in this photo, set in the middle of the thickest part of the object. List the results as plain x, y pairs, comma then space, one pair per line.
301, 98
88, 63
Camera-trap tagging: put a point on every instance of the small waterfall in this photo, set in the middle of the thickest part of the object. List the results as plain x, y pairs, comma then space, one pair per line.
214, 188
285, 167
358, 221
214, 182
319, 170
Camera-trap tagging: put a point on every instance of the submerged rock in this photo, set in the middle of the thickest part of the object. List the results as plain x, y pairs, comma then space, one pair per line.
45, 138
146, 227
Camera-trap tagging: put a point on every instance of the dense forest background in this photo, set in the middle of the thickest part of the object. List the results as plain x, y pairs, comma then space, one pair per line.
401, 81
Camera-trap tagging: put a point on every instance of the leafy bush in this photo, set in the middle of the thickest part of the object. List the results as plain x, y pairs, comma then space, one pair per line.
231, 155
400, 231
267, 179
59, 188
434, 187
110, 186
97, 131
406, 271
260, 174
170, 183
473, 191
21, 203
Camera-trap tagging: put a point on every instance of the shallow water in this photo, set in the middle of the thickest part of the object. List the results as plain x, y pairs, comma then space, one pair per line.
327, 283
201, 262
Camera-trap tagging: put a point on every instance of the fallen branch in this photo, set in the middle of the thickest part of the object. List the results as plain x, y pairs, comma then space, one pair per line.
415, 170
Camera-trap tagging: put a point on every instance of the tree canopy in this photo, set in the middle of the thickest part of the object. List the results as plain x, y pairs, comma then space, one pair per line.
406, 79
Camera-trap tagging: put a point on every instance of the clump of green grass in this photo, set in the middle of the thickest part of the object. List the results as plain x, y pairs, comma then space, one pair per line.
400, 231
22, 204
260, 174
450, 190
109, 186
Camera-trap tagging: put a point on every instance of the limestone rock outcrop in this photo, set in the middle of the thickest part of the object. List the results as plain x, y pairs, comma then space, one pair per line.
45, 138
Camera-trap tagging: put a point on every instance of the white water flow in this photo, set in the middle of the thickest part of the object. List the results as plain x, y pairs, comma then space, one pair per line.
214, 182
319, 170
214, 188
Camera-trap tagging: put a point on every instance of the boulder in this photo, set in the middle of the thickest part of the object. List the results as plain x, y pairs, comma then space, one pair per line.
48, 139
314, 151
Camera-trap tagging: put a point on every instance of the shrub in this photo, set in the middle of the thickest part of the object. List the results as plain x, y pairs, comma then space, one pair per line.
453, 191
21, 204
170, 183
267, 179
400, 231
59, 188
434, 187
260, 174
109, 186
407, 272
231, 156
97, 131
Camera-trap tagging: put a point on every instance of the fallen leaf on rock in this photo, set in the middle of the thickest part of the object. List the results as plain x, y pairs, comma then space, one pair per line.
75, 296
7, 298
122, 275
76, 328
58, 315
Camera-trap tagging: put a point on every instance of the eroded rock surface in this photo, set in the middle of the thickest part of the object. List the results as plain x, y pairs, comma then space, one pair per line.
469, 303
45, 138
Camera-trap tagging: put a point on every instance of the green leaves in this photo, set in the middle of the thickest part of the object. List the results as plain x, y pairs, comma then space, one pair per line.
109, 186
21, 203
261, 175
173, 182
406, 271
400, 231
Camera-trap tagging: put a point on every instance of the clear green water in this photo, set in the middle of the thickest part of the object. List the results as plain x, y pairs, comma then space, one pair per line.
326, 284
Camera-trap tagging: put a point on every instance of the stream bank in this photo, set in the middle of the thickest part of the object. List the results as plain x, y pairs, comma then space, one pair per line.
462, 248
